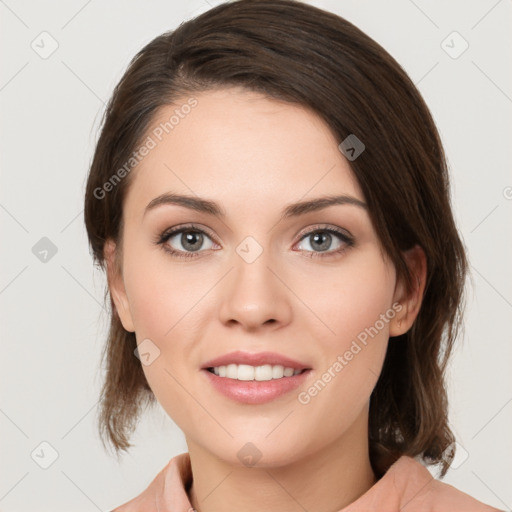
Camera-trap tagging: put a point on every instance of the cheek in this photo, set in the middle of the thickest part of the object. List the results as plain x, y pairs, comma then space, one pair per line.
355, 307
161, 293
165, 302
350, 300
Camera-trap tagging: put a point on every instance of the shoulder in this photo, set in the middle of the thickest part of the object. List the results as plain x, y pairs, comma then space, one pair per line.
421, 491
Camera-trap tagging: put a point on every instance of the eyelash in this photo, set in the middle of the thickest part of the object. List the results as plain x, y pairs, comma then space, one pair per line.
166, 235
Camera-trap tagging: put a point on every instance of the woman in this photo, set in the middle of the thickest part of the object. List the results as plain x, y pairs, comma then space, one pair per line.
270, 200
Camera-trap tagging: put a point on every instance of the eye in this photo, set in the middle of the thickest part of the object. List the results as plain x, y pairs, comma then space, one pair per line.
190, 238
322, 238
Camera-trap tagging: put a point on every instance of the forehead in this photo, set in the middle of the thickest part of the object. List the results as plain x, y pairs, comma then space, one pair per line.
234, 145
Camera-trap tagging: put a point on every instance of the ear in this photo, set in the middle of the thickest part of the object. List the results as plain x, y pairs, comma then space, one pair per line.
410, 301
116, 286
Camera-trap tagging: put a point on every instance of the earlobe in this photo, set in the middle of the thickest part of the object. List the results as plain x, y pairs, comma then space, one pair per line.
116, 286
410, 301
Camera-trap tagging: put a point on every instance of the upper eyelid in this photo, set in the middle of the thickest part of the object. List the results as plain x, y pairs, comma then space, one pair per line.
187, 227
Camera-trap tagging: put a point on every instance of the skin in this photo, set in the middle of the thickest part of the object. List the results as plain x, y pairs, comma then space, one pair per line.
255, 155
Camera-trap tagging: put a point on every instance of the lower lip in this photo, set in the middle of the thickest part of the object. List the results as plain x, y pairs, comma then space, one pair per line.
253, 391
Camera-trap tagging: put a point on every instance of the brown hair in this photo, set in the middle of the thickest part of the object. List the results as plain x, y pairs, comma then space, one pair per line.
295, 52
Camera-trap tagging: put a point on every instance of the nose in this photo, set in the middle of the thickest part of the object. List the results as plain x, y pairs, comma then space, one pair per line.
254, 294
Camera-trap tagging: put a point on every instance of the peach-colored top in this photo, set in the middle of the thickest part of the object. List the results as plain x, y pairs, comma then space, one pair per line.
407, 486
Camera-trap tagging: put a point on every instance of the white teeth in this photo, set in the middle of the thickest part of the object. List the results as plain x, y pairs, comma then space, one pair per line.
259, 373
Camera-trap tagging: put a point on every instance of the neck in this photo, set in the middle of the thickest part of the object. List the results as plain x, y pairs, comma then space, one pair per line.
329, 479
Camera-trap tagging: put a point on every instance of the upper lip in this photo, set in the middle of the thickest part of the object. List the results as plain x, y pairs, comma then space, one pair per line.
256, 359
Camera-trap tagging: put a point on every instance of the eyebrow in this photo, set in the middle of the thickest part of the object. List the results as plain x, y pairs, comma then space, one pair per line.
292, 210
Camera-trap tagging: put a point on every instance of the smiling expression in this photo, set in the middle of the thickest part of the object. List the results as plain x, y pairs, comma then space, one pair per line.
229, 244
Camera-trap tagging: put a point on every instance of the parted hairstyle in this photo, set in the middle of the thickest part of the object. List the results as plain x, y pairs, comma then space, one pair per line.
292, 51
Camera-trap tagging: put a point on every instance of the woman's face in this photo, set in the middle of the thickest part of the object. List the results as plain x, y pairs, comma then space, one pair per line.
255, 280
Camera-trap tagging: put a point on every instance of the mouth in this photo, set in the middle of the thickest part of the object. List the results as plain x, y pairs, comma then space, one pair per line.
255, 378
243, 365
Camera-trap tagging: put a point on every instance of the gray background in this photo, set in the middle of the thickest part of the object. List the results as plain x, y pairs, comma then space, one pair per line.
52, 323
